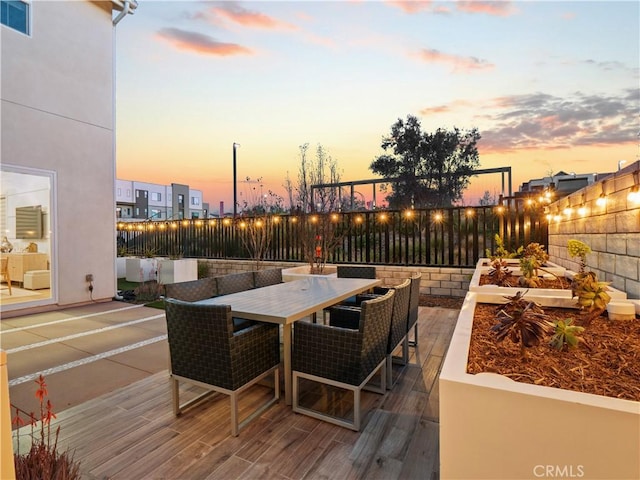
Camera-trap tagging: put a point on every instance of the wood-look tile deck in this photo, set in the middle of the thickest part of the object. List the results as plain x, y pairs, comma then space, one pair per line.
131, 433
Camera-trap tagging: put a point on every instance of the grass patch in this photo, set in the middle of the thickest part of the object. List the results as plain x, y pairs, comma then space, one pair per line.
156, 304
123, 284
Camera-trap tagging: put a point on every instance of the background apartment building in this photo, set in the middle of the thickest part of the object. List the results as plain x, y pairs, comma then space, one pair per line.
151, 201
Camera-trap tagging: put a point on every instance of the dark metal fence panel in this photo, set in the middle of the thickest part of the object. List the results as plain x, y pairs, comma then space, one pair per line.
456, 236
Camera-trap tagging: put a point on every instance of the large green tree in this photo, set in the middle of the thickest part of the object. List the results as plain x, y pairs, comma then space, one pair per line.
428, 169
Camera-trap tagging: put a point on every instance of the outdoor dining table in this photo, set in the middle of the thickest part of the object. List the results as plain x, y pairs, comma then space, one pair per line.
286, 303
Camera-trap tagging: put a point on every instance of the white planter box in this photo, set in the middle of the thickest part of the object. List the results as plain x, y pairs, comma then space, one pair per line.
141, 269
174, 271
546, 296
297, 273
493, 427
121, 267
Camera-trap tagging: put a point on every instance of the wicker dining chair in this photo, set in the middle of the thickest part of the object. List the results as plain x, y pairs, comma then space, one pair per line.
206, 351
343, 357
264, 278
351, 271
193, 290
235, 282
347, 317
412, 320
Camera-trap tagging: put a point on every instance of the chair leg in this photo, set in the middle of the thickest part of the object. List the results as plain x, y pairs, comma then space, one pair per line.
175, 391
234, 413
356, 410
389, 371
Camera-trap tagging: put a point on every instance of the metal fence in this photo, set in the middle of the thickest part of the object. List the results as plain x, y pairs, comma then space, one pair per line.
455, 237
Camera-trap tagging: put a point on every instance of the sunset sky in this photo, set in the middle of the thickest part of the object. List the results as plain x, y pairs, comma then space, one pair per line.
550, 85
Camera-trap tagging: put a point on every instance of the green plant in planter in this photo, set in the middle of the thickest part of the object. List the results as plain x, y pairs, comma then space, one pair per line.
529, 268
523, 321
566, 334
499, 273
532, 260
501, 251
592, 294
576, 248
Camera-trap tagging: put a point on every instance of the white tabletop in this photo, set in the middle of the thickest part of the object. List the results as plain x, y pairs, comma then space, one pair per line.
287, 302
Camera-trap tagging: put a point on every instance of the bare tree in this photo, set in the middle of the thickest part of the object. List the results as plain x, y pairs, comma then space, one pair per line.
319, 225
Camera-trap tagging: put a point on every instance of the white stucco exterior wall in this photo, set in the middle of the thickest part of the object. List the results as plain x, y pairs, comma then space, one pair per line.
58, 115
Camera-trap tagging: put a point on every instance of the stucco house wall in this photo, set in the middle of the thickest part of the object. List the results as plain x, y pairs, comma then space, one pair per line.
58, 115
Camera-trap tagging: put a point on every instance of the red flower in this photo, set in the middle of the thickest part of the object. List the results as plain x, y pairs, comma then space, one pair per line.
42, 391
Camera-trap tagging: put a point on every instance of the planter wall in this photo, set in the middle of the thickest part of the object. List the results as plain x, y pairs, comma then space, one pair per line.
121, 267
493, 427
174, 271
302, 271
141, 269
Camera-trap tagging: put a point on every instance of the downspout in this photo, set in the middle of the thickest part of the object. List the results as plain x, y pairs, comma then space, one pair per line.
123, 13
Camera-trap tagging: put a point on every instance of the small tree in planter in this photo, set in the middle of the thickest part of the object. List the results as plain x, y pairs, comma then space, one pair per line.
316, 222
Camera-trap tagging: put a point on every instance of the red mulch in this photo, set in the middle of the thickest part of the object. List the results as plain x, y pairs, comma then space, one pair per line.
555, 283
606, 363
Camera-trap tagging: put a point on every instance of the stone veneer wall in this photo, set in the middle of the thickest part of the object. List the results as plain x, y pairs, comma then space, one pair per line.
612, 231
445, 281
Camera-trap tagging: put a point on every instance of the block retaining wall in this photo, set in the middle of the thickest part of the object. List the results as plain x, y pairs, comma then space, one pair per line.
444, 281
612, 231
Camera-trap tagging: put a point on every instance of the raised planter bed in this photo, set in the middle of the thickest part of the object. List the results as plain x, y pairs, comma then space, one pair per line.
484, 264
545, 296
141, 269
180, 270
302, 271
494, 427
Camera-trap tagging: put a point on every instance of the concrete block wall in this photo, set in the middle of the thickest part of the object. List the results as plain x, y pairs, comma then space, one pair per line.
444, 281
612, 231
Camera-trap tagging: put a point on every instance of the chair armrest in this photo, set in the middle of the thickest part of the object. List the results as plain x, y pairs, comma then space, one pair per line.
328, 352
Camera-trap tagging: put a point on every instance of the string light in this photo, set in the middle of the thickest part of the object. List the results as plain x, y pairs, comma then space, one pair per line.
602, 199
582, 210
634, 193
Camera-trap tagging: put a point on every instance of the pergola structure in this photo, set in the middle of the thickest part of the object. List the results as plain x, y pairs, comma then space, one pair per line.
376, 181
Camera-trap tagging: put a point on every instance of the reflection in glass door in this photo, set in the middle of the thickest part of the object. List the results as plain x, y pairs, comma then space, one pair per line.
26, 243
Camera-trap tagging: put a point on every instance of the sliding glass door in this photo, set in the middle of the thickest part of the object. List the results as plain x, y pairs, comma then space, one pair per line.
27, 243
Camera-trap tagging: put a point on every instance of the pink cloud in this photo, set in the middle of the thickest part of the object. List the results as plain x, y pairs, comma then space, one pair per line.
459, 63
199, 43
410, 6
500, 9
451, 107
247, 18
